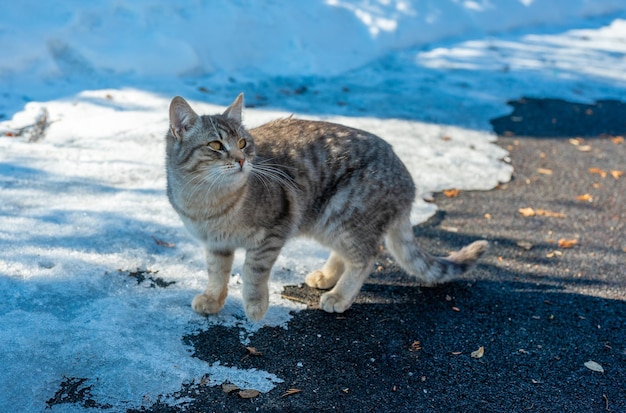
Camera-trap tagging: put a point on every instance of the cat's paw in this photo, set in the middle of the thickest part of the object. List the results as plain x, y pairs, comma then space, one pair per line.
317, 279
255, 311
203, 304
334, 303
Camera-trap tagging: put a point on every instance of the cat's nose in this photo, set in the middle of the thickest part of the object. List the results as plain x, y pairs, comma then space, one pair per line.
241, 162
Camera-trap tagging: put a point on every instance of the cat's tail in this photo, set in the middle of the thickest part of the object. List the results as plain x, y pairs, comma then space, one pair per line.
430, 270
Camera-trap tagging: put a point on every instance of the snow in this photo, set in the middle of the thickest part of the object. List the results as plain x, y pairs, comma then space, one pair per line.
83, 213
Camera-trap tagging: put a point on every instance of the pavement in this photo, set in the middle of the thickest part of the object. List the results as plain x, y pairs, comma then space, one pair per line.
539, 325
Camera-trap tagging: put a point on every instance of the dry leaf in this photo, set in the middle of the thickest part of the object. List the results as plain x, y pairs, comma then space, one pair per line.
544, 171
577, 141
585, 198
248, 394
289, 392
161, 243
451, 193
456, 309
229, 388
527, 212
478, 353
416, 346
617, 139
525, 244
567, 243
551, 214
585, 148
592, 365
488, 216
616, 174
446, 138
597, 171
553, 254
253, 351
530, 212
457, 353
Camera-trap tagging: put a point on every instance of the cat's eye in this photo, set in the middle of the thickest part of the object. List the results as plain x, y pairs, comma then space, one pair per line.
216, 145
242, 143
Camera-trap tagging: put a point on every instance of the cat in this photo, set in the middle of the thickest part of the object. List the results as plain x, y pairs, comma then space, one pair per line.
254, 189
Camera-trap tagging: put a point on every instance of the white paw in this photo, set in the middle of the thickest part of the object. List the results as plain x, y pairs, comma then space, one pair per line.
256, 311
334, 303
203, 304
317, 279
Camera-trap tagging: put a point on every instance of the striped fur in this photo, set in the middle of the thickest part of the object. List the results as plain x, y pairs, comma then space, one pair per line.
255, 189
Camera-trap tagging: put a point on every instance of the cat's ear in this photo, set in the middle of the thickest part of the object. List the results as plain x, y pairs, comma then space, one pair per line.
182, 117
235, 108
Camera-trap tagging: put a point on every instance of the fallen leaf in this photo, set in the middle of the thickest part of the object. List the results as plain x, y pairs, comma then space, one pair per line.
346, 390
416, 346
451, 193
617, 139
527, 212
592, 365
616, 174
525, 245
576, 141
585, 148
478, 353
544, 171
530, 212
597, 171
546, 213
163, 243
253, 351
229, 388
456, 309
456, 353
446, 138
585, 198
248, 394
289, 392
567, 243
553, 254
488, 216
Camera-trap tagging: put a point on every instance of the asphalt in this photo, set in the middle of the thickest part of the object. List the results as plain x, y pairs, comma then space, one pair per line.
538, 310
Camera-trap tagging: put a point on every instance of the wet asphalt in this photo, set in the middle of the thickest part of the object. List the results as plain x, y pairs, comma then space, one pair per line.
538, 308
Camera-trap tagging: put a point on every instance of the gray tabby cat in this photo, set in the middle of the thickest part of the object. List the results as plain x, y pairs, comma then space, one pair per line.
255, 189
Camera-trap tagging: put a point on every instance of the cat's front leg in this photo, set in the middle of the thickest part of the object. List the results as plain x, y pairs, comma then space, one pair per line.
256, 273
219, 264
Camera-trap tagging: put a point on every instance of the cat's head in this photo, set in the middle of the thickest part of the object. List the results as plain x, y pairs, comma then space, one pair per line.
216, 147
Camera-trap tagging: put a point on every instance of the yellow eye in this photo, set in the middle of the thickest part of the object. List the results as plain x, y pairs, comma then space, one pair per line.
216, 145
242, 143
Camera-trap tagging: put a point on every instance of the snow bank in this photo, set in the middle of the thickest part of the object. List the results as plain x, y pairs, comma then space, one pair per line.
150, 38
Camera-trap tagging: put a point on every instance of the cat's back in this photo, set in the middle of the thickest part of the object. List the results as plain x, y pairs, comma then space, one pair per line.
305, 139
327, 153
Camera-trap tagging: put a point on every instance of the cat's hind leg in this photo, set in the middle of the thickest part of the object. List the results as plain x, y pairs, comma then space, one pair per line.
219, 264
343, 294
330, 273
